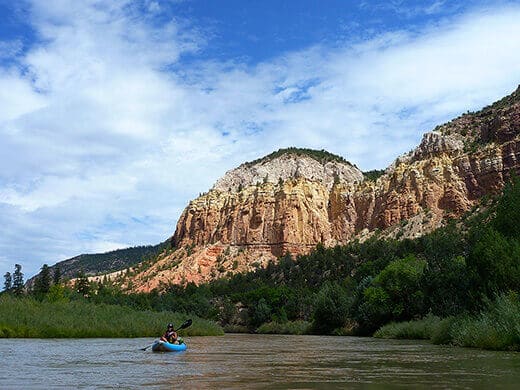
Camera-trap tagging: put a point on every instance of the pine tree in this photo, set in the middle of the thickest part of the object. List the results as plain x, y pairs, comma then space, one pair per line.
82, 284
56, 277
18, 280
43, 281
8, 281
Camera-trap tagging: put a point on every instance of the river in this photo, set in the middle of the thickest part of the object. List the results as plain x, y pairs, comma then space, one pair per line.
252, 361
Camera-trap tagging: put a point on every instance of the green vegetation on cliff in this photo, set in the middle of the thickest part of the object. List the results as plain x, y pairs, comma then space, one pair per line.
486, 125
374, 174
505, 102
321, 156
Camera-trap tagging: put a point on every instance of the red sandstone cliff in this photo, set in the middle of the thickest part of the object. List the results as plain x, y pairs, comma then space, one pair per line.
290, 201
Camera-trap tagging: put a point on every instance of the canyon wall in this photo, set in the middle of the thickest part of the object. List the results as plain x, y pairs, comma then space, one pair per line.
290, 201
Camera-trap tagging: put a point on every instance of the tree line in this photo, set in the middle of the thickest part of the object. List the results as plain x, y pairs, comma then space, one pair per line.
14, 282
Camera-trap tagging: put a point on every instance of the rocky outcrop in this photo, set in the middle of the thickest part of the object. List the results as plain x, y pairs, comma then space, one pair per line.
291, 213
290, 164
293, 200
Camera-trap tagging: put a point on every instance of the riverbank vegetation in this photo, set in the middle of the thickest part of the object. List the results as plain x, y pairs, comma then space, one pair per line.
28, 317
450, 286
496, 327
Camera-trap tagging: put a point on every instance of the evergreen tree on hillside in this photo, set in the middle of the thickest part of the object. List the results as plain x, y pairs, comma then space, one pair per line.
8, 281
82, 284
42, 283
56, 277
18, 280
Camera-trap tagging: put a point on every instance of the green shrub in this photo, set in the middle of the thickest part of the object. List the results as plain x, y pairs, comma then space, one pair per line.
232, 328
442, 333
420, 329
394, 294
331, 308
497, 327
260, 313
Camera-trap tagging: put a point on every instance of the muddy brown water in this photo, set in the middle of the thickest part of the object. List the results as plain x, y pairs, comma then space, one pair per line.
253, 361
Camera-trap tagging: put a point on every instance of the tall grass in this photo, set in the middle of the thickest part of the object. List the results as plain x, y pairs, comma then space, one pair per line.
26, 317
420, 330
497, 327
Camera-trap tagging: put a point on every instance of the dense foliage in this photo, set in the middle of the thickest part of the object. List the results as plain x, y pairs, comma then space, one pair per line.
321, 156
374, 174
18, 284
497, 326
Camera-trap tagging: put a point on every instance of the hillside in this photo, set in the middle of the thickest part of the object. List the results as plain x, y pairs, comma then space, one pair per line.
294, 199
100, 263
289, 164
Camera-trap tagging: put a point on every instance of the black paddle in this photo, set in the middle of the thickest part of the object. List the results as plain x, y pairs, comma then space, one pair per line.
186, 324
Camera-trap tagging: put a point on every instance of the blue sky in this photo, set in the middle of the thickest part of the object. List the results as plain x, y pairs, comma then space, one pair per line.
113, 115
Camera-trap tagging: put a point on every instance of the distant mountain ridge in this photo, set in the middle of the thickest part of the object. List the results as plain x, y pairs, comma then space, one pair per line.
100, 263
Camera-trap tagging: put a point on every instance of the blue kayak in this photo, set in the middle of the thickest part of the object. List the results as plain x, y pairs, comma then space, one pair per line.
163, 346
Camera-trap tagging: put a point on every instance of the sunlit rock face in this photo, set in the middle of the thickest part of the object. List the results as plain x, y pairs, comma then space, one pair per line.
292, 200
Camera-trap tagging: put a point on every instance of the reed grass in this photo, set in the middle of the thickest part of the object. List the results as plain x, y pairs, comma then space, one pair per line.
29, 318
419, 330
442, 333
497, 327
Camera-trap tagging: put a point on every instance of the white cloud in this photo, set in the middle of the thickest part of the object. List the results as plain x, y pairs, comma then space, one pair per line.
16, 97
103, 146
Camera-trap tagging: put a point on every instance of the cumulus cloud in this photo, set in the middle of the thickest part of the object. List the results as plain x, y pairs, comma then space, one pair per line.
106, 133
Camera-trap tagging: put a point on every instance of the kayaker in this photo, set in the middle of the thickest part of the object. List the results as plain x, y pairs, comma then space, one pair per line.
170, 335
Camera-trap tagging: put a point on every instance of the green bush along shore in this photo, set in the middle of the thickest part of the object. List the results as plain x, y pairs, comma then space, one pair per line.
496, 327
27, 317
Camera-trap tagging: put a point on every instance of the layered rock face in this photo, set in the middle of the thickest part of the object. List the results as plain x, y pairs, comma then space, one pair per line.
292, 200
282, 203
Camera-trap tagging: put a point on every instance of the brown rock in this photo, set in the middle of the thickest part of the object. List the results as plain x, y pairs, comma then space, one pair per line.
290, 203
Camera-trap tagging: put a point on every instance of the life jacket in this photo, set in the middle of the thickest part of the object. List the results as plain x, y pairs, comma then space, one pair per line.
170, 336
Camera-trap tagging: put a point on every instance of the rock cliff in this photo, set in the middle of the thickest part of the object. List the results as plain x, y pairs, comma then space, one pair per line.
294, 199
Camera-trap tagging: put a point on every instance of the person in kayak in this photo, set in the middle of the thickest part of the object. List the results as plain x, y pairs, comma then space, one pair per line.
170, 336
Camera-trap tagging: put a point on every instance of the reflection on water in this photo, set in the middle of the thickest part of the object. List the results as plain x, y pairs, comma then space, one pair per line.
253, 361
